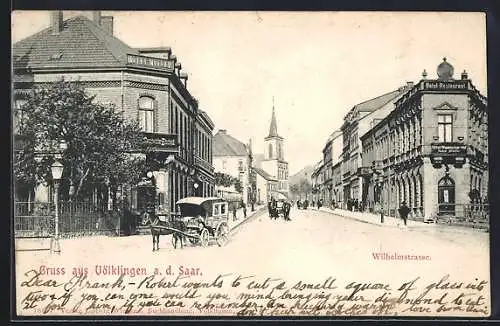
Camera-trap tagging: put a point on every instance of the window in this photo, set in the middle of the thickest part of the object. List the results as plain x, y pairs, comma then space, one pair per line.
146, 113
19, 113
445, 126
270, 150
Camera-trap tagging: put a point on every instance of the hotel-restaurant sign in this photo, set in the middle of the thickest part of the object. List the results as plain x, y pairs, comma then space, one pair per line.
448, 149
149, 62
446, 85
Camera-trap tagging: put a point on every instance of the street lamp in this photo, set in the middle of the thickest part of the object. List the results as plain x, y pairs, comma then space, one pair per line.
57, 170
196, 185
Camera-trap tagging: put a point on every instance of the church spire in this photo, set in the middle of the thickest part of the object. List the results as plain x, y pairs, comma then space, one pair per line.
273, 129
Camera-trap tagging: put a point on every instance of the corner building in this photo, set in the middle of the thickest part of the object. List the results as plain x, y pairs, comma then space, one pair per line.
431, 151
145, 84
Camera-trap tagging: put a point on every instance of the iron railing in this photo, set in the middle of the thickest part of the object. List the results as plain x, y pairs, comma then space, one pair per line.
37, 219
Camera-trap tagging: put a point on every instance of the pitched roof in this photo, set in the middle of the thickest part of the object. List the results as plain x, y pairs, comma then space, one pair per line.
226, 145
377, 102
273, 128
80, 43
264, 174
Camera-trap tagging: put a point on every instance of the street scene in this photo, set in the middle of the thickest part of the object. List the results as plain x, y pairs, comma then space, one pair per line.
319, 180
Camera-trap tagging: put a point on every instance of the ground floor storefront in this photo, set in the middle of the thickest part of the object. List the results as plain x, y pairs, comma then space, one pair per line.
429, 191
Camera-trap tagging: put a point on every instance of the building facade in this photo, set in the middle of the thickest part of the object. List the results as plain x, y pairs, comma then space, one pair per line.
266, 186
317, 181
232, 157
274, 162
144, 84
357, 122
431, 151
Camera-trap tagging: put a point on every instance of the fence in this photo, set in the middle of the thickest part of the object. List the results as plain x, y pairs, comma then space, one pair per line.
467, 214
37, 220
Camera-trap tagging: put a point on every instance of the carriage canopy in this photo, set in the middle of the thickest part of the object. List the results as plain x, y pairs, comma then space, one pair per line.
209, 206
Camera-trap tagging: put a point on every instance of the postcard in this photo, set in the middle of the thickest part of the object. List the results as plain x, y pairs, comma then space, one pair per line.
250, 164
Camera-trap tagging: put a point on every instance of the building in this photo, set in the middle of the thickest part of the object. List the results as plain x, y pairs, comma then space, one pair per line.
431, 151
144, 84
274, 162
232, 157
332, 155
357, 122
317, 181
266, 185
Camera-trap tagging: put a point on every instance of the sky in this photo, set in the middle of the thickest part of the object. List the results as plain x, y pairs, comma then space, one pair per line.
316, 65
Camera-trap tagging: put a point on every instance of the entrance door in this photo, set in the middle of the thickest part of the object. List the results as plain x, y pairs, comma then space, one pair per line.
446, 196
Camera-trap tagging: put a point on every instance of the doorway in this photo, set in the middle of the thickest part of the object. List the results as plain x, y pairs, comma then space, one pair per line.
446, 196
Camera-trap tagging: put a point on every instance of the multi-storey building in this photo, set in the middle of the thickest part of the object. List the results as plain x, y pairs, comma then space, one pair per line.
317, 180
232, 157
431, 151
144, 84
357, 122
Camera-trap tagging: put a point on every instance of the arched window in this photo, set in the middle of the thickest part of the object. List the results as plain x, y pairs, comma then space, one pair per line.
446, 196
270, 150
146, 113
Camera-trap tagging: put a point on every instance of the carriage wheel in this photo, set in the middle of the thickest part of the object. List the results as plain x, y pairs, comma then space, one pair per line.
204, 237
222, 235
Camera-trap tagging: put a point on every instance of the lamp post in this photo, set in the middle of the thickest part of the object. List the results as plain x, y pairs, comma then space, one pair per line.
196, 185
57, 170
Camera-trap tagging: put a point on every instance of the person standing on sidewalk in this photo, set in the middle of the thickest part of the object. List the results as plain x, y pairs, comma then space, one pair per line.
378, 209
234, 212
244, 209
404, 211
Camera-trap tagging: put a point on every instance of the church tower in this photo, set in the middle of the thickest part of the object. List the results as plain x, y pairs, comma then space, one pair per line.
274, 155
273, 142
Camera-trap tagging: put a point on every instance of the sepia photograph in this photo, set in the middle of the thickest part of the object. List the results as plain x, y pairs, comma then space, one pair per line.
250, 164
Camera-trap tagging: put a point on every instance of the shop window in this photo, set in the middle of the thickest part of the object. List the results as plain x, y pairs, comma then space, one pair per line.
146, 113
445, 126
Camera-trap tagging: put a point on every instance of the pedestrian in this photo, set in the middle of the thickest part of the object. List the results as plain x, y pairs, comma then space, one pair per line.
378, 209
403, 211
244, 209
269, 206
286, 211
234, 212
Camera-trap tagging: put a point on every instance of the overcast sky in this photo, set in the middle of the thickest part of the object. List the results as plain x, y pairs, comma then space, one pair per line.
317, 65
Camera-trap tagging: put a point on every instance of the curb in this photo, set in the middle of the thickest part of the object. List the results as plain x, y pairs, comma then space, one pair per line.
249, 218
364, 221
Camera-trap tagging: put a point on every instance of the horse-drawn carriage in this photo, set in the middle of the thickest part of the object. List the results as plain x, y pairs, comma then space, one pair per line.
199, 221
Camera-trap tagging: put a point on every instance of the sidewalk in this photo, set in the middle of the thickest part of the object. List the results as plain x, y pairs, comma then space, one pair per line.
239, 216
374, 219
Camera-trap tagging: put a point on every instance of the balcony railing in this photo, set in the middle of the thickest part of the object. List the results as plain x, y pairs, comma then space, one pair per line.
198, 161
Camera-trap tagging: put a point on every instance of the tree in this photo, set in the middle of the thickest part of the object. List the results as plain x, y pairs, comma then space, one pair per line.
98, 141
226, 180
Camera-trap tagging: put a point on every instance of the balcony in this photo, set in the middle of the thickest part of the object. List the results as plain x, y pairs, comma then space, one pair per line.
199, 162
365, 171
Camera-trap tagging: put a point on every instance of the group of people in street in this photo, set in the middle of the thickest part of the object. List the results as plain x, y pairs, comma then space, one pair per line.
275, 207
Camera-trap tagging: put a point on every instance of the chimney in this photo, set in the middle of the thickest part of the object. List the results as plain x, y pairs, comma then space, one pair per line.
409, 85
96, 17
184, 76
178, 67
107, 24
222, 131
56, 22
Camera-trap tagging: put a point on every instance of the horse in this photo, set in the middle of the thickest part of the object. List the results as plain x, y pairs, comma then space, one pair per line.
157, 228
